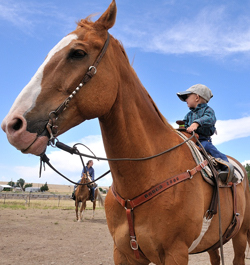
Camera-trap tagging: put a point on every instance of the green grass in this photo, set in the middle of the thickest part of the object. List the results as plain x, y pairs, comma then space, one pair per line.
14, 206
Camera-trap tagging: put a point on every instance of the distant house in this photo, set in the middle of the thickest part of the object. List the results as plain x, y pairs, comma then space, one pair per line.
17, 189
32, 189
6, 188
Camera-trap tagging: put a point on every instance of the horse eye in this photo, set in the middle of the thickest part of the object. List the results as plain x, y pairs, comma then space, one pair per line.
77, 54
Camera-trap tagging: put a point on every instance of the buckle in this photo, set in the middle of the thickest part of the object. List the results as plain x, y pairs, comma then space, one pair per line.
203, 164
128, 206
209, 215
189, 172
133, 244
93, 67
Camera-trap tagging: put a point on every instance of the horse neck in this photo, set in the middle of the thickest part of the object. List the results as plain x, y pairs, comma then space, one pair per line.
134, 128
82, 188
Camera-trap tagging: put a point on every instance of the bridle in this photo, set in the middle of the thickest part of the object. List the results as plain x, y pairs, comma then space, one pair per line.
53, 115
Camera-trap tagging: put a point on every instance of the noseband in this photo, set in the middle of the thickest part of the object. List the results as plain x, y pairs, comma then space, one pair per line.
53, 116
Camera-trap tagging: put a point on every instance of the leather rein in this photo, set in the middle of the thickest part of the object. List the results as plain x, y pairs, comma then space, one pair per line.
73, 150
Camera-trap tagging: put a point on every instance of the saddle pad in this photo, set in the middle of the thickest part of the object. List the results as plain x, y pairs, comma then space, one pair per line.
238, 172
206, 172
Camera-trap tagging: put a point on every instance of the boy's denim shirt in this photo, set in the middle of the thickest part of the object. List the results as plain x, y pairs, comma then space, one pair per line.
205, 117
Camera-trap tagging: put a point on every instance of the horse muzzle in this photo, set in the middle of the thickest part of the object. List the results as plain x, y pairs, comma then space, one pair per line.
15, 127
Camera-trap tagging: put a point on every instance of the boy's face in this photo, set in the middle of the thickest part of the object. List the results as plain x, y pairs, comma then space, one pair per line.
192, 100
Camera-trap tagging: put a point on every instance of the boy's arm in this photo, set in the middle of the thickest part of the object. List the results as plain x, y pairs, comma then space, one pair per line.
193, 127
208, 118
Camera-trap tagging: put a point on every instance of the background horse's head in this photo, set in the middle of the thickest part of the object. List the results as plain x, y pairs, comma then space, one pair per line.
85, 178
58, 76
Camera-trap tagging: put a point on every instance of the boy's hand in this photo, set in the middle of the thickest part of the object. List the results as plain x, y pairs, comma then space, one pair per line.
192, 127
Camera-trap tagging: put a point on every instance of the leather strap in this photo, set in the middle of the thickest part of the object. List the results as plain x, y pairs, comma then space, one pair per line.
133, 242
234, 226
151, 193
129, 205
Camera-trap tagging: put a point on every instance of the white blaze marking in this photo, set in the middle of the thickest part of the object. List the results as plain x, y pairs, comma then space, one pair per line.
27, 98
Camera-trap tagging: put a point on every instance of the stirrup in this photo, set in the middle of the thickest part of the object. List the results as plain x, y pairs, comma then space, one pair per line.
227, 175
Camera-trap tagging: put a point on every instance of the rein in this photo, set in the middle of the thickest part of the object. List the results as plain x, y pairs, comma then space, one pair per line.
73, 150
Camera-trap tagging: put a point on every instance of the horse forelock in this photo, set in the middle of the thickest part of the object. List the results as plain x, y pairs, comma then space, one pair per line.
86, 22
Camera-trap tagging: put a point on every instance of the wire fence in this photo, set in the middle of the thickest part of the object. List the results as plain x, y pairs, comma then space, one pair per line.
28, 198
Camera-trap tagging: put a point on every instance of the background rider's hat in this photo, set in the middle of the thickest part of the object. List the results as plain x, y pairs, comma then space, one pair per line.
198, 89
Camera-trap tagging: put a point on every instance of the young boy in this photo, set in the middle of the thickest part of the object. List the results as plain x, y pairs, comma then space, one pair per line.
201, 118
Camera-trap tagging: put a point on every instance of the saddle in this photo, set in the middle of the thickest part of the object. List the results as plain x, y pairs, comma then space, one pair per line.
226, 175
218, 178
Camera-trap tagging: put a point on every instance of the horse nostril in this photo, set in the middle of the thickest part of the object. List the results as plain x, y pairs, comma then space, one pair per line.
17, 125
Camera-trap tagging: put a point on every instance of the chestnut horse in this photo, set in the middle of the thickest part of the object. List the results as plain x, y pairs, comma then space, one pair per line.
132, 127
83, 194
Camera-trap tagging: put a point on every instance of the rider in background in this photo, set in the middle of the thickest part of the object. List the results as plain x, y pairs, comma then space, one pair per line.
89, 168
201, 118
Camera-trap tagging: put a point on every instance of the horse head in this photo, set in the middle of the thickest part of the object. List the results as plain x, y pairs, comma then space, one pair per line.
28, 123
85, 178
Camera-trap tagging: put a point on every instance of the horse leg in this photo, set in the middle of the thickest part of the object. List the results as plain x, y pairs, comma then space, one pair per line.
177, 255
94, 204
82, 210
214, 257
239, 245
241, 239
76, 209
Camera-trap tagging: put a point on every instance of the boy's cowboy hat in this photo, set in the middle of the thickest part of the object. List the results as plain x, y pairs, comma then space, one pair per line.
198, 89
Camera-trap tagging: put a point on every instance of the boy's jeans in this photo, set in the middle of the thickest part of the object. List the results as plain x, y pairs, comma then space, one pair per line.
210, 148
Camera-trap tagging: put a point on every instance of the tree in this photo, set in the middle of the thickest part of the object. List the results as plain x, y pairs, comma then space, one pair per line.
44, 187
21, 183
247, 167
11, 183
28, 185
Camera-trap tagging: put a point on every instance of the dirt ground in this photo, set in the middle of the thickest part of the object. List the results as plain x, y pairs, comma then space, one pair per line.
35, 236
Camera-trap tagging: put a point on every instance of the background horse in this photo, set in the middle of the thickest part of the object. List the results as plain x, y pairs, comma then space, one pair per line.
83, 194
61, 96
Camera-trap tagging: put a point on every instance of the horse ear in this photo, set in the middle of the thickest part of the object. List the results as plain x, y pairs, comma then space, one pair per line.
107, 20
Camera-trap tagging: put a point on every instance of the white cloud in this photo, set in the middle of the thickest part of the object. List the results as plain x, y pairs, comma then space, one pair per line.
228, 130
31, 16
245, 162
210, 31
231, 129
14, 13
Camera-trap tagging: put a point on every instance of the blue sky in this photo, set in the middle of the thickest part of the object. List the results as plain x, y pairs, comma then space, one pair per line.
172, 44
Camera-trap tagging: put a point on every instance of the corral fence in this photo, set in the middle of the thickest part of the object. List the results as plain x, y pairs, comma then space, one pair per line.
27, 197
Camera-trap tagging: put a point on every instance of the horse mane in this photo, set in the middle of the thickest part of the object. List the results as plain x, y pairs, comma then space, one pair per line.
164, 120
